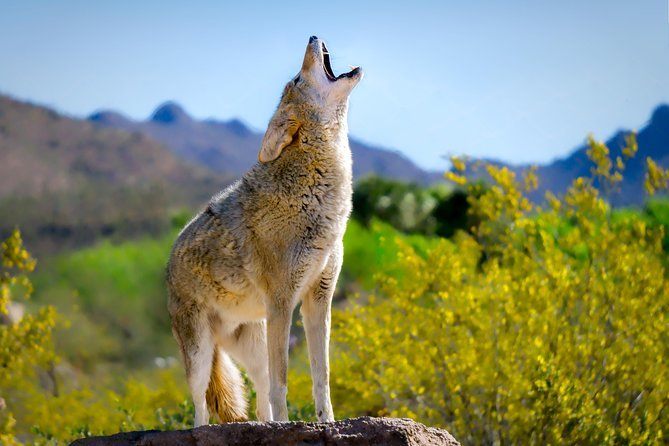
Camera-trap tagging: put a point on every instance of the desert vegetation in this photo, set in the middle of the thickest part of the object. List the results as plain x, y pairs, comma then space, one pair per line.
468, 307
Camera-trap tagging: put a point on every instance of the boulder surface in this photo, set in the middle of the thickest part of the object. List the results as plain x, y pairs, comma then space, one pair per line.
365, 431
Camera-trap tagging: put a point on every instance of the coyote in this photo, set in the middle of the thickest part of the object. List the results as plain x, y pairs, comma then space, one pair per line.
267, 242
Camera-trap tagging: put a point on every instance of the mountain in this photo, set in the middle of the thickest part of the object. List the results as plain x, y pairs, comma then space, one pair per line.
232, 147
65, 180
653, 142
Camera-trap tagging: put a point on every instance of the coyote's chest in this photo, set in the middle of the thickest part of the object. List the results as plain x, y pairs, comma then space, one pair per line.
305, 201
317, 211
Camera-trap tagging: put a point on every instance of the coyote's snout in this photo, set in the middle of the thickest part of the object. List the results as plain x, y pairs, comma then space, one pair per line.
267, 242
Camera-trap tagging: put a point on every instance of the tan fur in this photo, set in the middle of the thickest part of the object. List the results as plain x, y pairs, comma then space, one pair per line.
269, 241
222, 397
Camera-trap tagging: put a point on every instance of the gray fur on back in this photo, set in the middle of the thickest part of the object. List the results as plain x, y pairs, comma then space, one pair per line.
282, 218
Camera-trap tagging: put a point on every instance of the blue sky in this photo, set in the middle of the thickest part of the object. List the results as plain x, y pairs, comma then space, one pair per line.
522, 81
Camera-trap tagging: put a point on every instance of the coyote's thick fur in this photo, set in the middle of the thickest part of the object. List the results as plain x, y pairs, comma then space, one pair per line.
269, 241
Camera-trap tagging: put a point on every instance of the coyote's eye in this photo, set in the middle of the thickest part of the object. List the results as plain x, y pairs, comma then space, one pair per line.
296, 80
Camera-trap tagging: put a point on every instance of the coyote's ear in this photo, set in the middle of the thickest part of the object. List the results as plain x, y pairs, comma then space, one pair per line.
280, 132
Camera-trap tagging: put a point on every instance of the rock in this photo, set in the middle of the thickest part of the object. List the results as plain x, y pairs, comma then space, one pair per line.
365, 431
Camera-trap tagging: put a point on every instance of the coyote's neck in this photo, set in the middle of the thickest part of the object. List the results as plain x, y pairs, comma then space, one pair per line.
327, 137
325, 146
318, 157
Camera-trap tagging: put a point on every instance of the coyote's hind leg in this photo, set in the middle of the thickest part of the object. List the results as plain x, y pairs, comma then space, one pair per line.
248, 346
197, 348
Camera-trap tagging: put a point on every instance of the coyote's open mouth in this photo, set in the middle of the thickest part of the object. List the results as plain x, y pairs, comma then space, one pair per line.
328, 68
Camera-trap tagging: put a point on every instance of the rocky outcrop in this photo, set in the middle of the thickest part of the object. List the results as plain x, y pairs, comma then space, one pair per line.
353, 432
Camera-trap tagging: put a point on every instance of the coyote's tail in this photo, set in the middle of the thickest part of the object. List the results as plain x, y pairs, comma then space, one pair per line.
225, 394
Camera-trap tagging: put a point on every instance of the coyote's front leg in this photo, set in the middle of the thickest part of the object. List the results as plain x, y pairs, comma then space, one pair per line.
279, 311
316, 316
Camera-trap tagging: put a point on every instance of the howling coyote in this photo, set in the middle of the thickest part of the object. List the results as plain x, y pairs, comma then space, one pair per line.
267, 242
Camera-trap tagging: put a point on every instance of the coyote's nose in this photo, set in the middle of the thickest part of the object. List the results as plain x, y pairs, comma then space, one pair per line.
312, 39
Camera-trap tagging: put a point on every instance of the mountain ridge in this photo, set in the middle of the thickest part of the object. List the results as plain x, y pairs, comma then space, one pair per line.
231, 146
557, 175
65, 181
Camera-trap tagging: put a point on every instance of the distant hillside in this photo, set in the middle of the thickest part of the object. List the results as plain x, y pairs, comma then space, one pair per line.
231, 147
68, 181
653, 140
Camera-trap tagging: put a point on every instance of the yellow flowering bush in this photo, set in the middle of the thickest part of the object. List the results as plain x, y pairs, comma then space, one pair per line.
37, 406
25, 344
546, 325
99, 410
